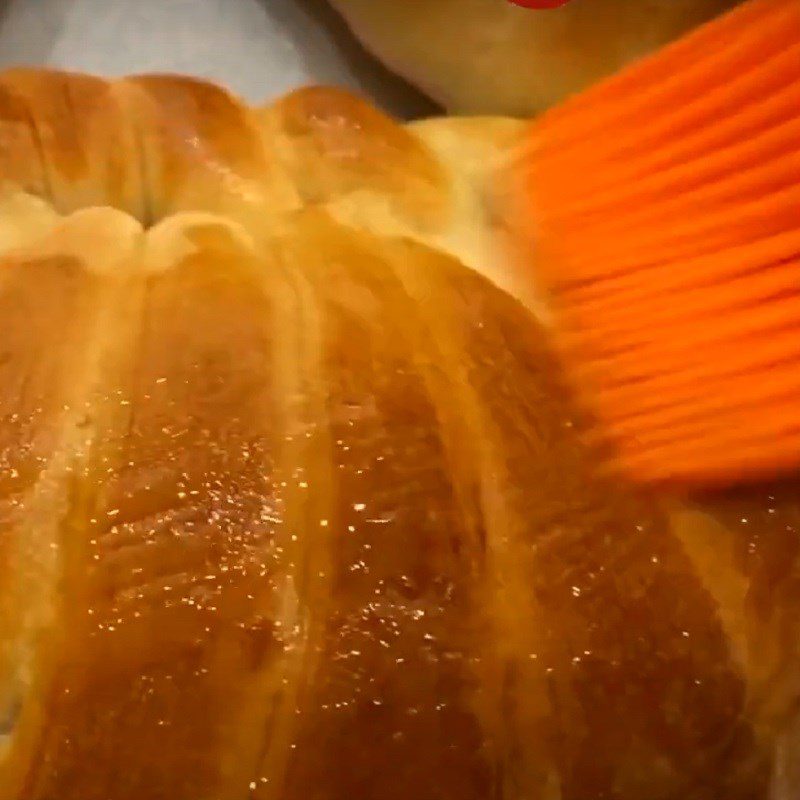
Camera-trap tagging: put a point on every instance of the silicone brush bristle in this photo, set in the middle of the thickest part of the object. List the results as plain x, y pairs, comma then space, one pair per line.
666, 205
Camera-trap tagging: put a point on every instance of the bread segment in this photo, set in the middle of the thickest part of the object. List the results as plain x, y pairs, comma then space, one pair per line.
85, 140
61, 304
201, 149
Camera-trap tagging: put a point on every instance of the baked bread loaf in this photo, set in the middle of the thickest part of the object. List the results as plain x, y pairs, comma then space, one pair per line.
489, 56
295, 505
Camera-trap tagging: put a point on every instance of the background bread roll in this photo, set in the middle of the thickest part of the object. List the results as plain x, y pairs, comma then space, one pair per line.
489, 56
294, 504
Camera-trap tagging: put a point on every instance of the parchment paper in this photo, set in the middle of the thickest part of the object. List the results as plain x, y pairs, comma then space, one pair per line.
258, 48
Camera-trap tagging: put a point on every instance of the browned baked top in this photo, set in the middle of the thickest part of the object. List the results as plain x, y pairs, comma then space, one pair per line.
293, 503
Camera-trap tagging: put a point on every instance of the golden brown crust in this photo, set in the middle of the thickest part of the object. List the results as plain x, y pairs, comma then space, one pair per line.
201, 149
22, 164
335, 144
84, 140
293, 504
440, 182
156, 145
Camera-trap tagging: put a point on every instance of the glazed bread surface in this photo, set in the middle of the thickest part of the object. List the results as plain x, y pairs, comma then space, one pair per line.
295, 504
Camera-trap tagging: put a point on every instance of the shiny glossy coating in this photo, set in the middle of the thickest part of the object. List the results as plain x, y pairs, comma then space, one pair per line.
293, 505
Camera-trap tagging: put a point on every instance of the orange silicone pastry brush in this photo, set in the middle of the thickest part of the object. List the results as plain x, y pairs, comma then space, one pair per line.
666, 212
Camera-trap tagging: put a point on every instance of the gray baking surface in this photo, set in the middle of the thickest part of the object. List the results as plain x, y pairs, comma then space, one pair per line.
258, 48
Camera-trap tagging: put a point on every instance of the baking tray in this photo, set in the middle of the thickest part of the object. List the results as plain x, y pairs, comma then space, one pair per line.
258, 48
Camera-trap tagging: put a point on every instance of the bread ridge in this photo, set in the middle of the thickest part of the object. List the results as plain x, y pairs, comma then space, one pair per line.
155, 145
